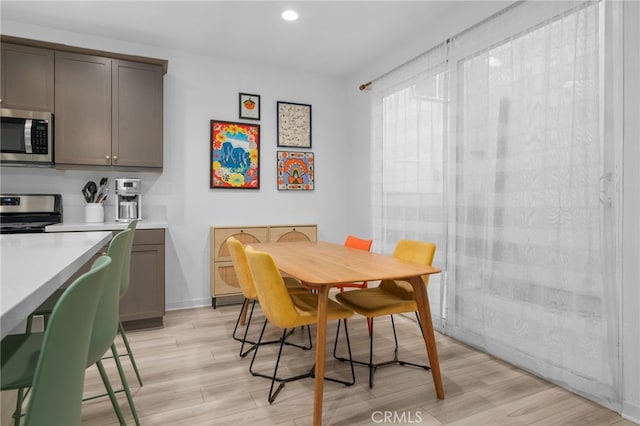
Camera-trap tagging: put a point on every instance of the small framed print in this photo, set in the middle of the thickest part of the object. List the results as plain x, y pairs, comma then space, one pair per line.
235, 155
249, 106
296, 171
294, 125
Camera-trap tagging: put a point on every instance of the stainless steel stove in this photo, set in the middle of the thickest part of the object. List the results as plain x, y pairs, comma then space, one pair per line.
29, 213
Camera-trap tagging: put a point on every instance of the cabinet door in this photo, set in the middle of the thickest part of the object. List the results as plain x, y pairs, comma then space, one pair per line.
145, 297
137, 114
246, 235
83, 109
223, 276
292, 233
225, 280
27, 78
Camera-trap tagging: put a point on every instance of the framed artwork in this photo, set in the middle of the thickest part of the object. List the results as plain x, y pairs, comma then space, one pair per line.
235, 155
249, 106
295, 171
294, 125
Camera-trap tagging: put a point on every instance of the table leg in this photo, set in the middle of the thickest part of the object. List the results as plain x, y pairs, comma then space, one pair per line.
243, 312
321, 337
424, 311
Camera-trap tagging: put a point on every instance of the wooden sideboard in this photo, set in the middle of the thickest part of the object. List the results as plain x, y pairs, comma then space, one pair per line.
223, 277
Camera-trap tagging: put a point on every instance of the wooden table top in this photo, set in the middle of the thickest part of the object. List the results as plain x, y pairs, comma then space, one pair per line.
318, 262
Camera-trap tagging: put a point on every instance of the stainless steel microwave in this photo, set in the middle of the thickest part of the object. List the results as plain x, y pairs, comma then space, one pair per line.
26, 138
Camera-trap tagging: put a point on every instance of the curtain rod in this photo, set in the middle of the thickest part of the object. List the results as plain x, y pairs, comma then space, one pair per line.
364, 86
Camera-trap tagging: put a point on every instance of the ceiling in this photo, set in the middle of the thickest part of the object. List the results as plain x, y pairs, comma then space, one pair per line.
337, 38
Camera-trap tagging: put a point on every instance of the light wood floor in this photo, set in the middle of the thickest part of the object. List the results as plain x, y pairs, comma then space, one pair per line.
193, 376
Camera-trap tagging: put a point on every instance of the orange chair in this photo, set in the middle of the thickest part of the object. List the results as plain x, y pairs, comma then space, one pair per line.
356, 243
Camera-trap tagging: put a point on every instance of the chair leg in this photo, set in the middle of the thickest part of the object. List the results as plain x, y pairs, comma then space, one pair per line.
253, 344
129, 351
246, 329
112, 395
17, 414
242, 309
273, 395
372, 367
125, 385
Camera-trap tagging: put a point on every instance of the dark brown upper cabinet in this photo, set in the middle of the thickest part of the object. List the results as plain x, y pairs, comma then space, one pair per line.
27, 78
108, 112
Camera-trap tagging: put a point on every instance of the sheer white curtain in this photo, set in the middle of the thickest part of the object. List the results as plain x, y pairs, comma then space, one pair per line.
410, 108
510, 190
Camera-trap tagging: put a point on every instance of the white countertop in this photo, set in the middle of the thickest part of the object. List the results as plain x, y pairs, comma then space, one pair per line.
104, 226
33, 266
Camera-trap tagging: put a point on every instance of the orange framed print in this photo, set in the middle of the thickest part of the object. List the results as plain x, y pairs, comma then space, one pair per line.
296, 171
249, 106
235, 155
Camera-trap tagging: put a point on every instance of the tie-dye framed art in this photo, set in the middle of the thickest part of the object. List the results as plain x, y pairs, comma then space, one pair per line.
296, 171
235, 155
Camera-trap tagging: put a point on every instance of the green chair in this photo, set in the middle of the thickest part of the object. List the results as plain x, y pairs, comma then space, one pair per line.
46, 307
105, 327
124, 287
53, 364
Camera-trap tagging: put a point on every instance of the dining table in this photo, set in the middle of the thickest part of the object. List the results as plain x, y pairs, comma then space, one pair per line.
33, 266
325, 265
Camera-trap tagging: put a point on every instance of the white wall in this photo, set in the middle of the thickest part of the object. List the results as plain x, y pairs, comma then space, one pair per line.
631, 216
196, 90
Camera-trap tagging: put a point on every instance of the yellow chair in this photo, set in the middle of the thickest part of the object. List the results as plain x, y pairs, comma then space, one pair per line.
280, 309
391, 297
241, 267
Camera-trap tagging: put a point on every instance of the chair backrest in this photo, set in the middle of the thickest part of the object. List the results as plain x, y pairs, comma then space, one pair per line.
273, 295
412, 251
241, 266
105, 326
56, 393
358, 243
126, 268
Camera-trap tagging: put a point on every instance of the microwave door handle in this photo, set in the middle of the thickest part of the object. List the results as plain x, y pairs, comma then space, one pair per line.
27, 136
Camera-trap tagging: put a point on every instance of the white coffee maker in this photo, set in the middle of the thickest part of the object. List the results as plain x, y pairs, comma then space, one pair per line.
128, 199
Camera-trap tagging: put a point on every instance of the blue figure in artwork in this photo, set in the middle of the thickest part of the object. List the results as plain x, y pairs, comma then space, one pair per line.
236, 159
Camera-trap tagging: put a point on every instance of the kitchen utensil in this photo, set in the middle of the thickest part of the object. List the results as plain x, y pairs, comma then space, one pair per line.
93, 189
88, 191
104, 188
102, 195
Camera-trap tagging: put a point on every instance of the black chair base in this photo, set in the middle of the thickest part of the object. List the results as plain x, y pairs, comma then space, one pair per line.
370, 364
283, 380
254, 344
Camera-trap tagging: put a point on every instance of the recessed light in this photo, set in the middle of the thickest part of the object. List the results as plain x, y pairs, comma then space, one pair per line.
289, 15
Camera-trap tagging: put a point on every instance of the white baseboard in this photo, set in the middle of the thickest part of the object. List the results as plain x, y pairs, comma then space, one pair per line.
187, 304
199, 303
631, 412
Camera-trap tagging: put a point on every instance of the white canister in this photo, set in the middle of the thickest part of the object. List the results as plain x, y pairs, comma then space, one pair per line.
94, 213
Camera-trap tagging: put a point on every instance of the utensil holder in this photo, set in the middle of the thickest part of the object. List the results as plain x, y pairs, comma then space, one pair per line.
94, 213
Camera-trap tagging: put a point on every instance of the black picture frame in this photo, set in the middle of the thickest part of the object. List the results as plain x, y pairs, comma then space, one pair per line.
294, 125
248, 106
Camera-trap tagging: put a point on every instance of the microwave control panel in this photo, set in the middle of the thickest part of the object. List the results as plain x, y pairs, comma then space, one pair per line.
40, 141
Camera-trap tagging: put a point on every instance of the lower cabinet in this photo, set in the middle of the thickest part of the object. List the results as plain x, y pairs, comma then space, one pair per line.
224, 282
143, 306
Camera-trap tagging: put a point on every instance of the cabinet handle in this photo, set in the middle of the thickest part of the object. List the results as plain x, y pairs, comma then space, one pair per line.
115, 158
108, 157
